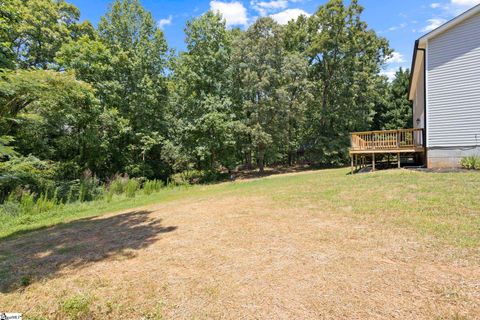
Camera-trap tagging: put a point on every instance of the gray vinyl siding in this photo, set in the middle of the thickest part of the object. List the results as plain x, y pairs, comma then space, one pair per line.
453, 86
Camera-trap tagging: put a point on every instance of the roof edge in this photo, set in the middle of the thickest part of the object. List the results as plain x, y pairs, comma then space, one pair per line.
412, 69
449, 24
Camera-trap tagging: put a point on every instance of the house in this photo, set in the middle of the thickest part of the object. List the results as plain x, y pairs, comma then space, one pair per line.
445, 91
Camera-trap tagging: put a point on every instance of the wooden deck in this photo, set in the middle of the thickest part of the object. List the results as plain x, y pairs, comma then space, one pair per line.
396, 142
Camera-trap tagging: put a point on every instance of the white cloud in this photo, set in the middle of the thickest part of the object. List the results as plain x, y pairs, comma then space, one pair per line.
389, 73
433, 24
165, 22
266, 7
465, 3
455, 7
399, 27
285, 16
396, 57
234, 13
276, 4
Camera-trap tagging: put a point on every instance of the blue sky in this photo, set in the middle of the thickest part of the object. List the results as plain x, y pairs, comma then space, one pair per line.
400, 21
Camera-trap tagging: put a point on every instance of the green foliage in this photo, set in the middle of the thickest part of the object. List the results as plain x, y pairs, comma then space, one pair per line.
118, 184
27, 173
393, 110
9, 21
273, 90
57, 116
187, 177
20, 203
152, 186
131, 188
471, 162
41, 29
345, 60
206, 122
25, 281
76, 307
5, 149
88, 103
90, 188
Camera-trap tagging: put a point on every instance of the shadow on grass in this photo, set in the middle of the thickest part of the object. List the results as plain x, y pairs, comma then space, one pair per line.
277, 170
46, 252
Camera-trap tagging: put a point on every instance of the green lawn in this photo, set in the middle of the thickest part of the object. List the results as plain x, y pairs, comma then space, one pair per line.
443, 205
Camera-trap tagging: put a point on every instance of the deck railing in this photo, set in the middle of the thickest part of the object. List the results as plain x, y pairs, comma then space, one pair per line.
387, 140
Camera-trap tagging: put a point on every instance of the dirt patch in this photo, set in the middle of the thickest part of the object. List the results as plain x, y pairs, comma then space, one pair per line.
238, 258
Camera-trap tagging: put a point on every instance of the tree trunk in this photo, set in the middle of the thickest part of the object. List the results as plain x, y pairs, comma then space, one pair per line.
261, 157
248, 159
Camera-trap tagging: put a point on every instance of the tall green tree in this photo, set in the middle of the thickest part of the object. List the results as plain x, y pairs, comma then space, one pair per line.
139, 57
345, 59
202, 81
272, 87
126, 64
43, 26
394, 110
52, 116
9, 21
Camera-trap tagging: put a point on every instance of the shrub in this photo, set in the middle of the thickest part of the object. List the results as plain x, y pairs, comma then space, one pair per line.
471, 162
25, 173
151, 186
197, 176
27, 202
107, 193
90, 188
187, 177
10, 206
44, 204
118, 184
131, 188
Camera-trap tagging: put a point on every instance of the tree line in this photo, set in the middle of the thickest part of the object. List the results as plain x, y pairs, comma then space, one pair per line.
115, 98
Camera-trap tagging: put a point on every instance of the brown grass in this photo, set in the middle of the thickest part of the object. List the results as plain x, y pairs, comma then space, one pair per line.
239, 257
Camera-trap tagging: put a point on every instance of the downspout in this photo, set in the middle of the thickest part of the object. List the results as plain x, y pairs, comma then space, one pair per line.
424, 98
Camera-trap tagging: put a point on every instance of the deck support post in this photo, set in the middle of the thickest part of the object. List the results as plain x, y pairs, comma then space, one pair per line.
398, 156
373, 161
351, 164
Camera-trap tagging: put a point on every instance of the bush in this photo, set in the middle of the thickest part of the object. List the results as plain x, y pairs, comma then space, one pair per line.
25, 203
90, 188
118, 184
186, 177
471, 162
10, 206
107, 193
197, 176
131, 188
28, 173
151, 186
44, 204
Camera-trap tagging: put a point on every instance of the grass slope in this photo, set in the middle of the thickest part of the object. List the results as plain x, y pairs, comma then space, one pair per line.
444, 205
